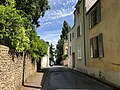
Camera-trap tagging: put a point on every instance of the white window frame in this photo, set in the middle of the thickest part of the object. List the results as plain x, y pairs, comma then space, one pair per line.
80, 29
79, 53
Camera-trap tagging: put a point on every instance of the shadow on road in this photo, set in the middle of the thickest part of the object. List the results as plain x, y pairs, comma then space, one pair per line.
44, 81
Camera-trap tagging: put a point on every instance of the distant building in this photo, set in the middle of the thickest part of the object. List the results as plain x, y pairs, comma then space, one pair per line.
77, 56
65, 48
71, 48
80, 61
45, 60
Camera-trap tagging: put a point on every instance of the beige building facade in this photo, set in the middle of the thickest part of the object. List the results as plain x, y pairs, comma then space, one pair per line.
76, 36
71, 48
103, 27
65, 48
45, 62
95, 50
80, 60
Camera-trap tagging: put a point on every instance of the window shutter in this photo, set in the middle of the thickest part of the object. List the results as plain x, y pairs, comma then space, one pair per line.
100, 44
70, 50
78, 10
90, 20
98, 12
70, 37
91, 47
80, 29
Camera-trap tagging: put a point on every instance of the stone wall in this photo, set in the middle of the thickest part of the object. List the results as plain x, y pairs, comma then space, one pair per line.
30, 66
11, 69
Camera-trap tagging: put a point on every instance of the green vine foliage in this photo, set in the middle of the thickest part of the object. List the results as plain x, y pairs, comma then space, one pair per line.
17, 32
38, 47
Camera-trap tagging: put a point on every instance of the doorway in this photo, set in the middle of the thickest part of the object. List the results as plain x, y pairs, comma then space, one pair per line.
73, 60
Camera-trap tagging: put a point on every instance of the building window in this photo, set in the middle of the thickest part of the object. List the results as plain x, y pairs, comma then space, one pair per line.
78, 9
96, 46
94, 15
79, 31
70, 50
79, 53
70, 37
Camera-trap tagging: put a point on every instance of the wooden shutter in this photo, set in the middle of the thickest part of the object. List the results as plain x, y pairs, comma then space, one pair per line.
70, 37
70, 50
90, 20
78, 10
91, 48
78, 31
100, 45
98, 12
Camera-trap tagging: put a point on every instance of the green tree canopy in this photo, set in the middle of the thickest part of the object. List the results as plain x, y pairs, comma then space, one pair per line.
51, 53
65, 29
17, 21
13, 31
33, 9
59, 50
38, 47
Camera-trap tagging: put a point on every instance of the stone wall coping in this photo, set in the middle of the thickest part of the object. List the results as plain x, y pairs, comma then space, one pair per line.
4, 49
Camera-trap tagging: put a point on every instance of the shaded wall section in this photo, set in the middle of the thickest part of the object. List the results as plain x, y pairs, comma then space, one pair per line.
11, 69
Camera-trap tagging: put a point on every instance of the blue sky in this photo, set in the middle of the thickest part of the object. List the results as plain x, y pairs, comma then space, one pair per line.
52, 22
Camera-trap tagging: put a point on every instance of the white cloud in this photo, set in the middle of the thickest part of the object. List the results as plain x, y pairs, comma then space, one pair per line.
55, 12
52, 36
51, 23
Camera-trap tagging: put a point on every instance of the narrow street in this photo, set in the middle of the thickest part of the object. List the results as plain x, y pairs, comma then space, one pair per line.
65, 79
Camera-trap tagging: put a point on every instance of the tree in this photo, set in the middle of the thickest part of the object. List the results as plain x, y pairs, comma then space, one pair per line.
51, 53
13, 32
66, 28
38, 47
59, 50
60, 45
33, 9
17, 21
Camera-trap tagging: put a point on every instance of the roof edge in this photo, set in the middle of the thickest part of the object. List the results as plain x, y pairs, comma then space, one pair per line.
92, 6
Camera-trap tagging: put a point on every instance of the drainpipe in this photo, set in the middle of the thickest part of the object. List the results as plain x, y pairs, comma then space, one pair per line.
84, 8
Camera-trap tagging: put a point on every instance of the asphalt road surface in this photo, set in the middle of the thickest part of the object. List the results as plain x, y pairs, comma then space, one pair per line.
64, 79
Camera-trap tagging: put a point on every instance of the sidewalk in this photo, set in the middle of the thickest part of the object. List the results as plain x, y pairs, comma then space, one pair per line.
34, 82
